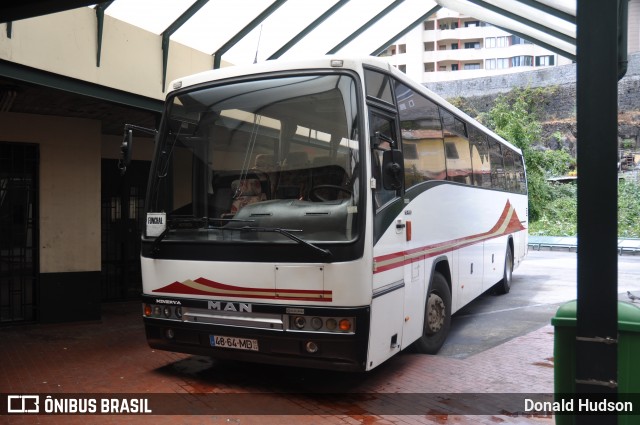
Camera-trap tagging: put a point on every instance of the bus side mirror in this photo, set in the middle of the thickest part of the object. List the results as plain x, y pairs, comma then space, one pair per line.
392, 169
127, 144
125, 150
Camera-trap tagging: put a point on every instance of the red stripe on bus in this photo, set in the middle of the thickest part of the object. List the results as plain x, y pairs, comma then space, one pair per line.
428, 251
245, 292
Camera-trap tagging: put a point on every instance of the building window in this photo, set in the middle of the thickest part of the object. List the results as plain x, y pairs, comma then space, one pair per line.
471, 24
429, 46
518, 40
454, 46
442, 68
454, 66
403, 68
429, 67
428, 25
490, 64
442, 47
468, 66
545, 60
502, 63
502, 41
472, 45
522, 61
490, 42
402, 48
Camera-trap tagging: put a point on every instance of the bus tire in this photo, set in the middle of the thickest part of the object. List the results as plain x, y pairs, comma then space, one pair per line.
437, 317
504, 286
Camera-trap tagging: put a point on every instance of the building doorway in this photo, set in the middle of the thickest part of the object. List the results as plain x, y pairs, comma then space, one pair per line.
19, 264
122, 224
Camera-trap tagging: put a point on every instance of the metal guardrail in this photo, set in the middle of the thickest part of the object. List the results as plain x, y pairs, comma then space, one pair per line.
629, 246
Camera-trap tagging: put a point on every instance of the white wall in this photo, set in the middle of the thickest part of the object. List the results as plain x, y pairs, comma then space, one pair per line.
69, 187
65, 43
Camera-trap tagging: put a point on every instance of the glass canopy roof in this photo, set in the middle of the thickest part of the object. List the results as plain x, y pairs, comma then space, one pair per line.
245, 31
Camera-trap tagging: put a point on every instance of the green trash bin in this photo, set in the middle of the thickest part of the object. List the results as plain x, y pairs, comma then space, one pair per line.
628, 354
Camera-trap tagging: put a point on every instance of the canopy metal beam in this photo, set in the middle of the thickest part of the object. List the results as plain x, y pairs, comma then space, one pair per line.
308, 29
550, 10
100, 8
405, 31
14, 11
540, 43
217, 56
365, 27
525, 21
56, 81
596, 342
166, 35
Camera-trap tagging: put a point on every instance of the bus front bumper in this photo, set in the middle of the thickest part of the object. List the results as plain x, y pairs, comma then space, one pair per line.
333, 352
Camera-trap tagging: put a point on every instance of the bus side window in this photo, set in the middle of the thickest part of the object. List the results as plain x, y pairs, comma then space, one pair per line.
497, 167
520, 176
480, 158
422, 141
509, 169
384, 126
457, 149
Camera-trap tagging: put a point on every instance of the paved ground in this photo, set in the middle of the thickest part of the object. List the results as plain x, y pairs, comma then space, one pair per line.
110, 358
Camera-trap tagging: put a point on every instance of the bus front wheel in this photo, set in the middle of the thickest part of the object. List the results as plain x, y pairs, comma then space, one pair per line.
437, 317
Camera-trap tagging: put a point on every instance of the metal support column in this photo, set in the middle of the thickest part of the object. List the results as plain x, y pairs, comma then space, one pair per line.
597, 111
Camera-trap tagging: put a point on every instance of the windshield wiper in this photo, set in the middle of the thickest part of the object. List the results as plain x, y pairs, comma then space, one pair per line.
199, 223
190, 223
288, 233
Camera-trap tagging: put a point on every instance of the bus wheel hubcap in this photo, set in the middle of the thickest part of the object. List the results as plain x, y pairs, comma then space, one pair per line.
436, 312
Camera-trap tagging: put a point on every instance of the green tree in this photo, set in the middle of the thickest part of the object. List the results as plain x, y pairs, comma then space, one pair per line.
513, 118
628, 209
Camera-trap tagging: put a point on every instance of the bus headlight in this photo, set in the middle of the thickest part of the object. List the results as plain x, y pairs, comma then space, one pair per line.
299, 322
331, 324
316, 323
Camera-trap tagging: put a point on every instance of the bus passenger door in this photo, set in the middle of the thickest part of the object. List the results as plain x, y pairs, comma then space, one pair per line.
389, 246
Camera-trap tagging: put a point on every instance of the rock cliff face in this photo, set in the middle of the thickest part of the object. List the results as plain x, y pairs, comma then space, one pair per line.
557, 112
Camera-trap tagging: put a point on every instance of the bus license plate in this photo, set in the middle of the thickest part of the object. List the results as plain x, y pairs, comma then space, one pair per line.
235, 343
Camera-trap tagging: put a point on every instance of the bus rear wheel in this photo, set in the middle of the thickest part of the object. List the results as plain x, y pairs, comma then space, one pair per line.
504, 286
437, 317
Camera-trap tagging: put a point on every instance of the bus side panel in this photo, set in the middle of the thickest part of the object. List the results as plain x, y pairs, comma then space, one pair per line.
386, 326
494, 254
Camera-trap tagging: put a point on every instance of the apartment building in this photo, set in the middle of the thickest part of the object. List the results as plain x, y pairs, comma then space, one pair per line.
450, 46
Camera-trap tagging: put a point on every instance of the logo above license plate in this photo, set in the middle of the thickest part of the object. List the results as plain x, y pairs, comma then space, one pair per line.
232, 342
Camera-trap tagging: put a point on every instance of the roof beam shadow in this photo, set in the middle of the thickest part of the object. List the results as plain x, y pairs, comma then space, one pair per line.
166, 35
217, 56
364, 27
308, 29
100, 8
405, 31
525, 21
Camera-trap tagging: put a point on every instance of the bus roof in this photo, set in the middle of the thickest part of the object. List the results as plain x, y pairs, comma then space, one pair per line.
327, 62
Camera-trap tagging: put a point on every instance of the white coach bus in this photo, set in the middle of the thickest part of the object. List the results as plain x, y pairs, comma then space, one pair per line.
326, 213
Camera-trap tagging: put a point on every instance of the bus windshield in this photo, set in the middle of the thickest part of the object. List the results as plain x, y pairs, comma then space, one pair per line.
260, 160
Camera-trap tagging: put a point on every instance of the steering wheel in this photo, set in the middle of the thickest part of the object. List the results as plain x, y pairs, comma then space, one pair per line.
313, 195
